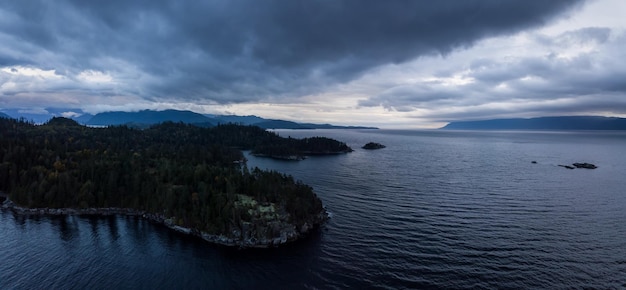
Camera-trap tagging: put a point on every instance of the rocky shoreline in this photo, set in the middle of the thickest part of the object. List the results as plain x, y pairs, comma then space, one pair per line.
281, 157
302, 155
287, 234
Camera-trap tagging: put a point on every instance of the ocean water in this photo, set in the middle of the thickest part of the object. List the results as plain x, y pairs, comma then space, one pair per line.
435, 209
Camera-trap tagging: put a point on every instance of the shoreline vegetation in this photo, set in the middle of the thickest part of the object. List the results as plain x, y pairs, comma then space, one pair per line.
193, 180
287, 236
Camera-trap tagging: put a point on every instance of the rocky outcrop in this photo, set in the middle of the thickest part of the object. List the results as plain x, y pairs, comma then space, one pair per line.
579, 165
265, 229
585, 165
267, 224
373, 145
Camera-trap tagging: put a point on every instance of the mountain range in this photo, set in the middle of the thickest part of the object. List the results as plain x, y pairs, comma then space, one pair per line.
148, 117
145, 118
543, 123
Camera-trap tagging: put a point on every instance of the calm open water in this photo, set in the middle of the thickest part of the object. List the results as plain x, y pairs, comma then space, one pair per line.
435, 209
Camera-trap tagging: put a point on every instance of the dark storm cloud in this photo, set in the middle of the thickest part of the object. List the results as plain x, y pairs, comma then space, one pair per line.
246, 50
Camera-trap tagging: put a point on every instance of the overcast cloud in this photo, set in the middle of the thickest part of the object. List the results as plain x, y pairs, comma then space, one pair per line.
387, 63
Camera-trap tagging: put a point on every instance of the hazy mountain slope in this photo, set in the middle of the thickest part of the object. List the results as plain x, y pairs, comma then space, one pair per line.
241, 120
543, 123
83, 119
148, 117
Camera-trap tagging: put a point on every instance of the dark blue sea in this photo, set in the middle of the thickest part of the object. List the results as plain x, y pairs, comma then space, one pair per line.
433, 210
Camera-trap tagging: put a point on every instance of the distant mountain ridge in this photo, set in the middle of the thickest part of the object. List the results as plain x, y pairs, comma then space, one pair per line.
3, 115
149, 117
242, 120
543, 123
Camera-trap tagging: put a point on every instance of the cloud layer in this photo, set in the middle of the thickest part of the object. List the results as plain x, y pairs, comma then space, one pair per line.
100, 55
573, 73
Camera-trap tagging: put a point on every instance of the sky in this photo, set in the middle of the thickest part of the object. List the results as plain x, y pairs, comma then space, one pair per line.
390, 64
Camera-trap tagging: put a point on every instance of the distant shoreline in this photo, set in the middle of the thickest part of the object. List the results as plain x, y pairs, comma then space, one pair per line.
567, 123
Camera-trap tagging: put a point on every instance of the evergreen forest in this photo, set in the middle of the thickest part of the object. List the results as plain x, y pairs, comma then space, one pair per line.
195, 175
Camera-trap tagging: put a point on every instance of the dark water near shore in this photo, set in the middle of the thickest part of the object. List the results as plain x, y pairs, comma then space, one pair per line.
435, 209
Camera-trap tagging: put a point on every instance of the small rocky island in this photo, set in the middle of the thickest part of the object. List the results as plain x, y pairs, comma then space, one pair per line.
191, 179
579, 165
585, 165
373, 145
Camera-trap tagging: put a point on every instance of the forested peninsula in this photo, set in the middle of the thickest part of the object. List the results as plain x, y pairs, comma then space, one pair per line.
189, 178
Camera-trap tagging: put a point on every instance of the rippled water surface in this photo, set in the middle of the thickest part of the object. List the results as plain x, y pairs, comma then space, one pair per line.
435, 209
